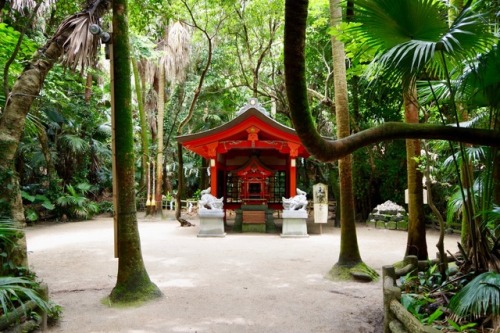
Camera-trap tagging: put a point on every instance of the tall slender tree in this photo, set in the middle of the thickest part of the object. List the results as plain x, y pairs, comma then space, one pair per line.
349, 256
416, 243
133, 283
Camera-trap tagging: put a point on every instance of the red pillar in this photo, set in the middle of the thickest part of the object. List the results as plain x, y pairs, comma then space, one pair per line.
212, 153
213, 176
294, 152
293, 177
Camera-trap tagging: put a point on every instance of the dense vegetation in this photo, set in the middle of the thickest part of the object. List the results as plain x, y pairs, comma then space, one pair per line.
194, 64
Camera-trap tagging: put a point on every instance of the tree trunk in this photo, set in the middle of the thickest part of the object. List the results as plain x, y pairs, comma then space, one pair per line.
180, 183
12, 121
88, 87
159, 156
133, 283
349, 251
44, 144
139, 88
443, 259
416, 244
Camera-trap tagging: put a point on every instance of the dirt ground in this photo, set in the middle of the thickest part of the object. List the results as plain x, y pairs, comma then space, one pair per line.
240, 283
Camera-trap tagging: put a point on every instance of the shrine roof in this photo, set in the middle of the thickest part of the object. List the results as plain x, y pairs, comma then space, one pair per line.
249, 119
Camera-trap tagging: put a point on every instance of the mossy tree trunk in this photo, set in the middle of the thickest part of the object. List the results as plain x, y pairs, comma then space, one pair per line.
133, 283
12, 121
139, 89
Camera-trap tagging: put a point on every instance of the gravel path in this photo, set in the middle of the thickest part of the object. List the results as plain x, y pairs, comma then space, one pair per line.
240, 283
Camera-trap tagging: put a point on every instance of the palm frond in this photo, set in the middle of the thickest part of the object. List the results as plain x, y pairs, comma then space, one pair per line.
480, 80
74, 143
408, 33
8, 233
177, 51
101, 149
454, 206
480, 297
18, 288
22, 5
80, 46
469, 35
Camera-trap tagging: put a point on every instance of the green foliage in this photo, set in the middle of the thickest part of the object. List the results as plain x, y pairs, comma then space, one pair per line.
197, 194
16, 290
9, 37
106, 207
406, 46
75, 204
479, 298
9, 234
356, 48
414, 303
36, 204
462, 328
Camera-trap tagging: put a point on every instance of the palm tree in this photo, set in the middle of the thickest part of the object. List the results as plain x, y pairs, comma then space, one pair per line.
349, 256
407, 35
328, 150
133, 283
407, 53
172, 69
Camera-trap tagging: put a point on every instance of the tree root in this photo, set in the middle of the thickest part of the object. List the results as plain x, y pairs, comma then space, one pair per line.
356, 272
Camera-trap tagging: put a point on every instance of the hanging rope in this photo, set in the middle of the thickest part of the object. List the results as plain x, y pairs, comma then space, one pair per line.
153, 198
148, 179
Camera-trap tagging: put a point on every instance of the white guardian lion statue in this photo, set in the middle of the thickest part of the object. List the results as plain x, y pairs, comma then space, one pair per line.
298, 202
208, 201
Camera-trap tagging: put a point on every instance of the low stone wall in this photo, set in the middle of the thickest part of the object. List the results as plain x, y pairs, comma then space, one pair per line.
388, 216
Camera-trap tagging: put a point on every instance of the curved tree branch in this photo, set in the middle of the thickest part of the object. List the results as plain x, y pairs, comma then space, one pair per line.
330, 150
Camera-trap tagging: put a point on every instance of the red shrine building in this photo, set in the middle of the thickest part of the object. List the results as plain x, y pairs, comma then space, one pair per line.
252, 158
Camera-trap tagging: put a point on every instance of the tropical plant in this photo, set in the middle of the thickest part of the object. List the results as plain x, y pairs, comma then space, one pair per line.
75, 204
480, 298
38, 202
14, 291
9, 234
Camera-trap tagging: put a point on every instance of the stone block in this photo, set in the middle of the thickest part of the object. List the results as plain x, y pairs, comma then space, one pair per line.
397, 218
371, 224
391, 225
380, 225
294, 227
254, 227
402, 225
211, 224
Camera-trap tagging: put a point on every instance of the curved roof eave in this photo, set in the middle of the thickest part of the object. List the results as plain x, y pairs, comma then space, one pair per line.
230, 124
